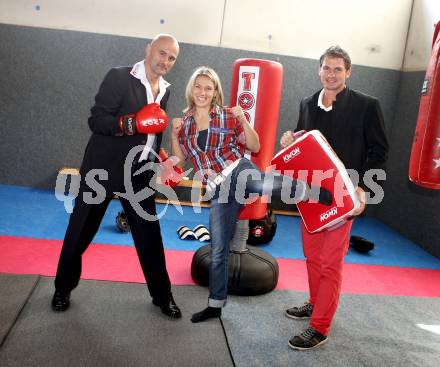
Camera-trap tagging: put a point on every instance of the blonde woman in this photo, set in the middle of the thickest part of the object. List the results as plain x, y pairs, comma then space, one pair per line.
214, 138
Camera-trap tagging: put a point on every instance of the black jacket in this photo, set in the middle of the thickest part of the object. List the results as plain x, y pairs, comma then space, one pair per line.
357, 133
119, 94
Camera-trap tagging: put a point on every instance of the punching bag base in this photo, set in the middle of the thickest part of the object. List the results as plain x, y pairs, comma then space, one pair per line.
251, 272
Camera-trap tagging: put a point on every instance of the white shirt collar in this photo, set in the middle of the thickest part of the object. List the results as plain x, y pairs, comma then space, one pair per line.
320, 104
138, 71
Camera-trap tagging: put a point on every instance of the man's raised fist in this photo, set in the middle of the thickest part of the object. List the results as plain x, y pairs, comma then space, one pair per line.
150, 119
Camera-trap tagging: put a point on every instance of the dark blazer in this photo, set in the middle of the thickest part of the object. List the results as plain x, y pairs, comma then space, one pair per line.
120, 93
357, 133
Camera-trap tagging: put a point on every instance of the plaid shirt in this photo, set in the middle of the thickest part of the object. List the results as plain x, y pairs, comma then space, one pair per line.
225, 143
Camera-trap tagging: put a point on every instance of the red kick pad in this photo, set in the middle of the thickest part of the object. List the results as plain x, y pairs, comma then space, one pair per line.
311, 159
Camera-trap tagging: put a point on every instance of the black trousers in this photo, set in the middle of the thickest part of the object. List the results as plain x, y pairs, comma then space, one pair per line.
83, 225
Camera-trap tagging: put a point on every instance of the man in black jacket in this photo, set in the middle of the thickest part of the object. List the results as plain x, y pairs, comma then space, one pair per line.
353, 124
125, 118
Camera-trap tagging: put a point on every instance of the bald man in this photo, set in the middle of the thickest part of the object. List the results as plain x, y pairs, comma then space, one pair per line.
122, 100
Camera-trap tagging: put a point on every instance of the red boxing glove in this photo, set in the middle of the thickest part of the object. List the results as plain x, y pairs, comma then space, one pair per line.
150, 119
171, 174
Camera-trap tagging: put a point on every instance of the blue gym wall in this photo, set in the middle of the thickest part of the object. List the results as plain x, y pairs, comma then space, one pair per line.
50, 77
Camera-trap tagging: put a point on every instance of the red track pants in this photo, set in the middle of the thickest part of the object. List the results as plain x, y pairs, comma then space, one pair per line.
324, 252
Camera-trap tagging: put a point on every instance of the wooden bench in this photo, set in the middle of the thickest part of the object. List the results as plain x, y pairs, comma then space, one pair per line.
183, 191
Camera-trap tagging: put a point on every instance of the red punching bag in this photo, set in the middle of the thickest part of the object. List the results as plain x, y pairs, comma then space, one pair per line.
256, 87
424, 164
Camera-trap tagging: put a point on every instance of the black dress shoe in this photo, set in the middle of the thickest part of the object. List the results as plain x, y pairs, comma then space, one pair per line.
60, 301
360, 244
169, 308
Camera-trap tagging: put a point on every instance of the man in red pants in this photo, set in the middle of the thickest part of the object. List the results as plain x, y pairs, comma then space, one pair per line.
352, 122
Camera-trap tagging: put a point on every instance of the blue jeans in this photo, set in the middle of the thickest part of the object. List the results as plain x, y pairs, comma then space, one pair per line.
222, 221
225, 205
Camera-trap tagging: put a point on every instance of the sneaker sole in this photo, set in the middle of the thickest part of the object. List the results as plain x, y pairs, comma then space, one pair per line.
304, 348
296, 317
